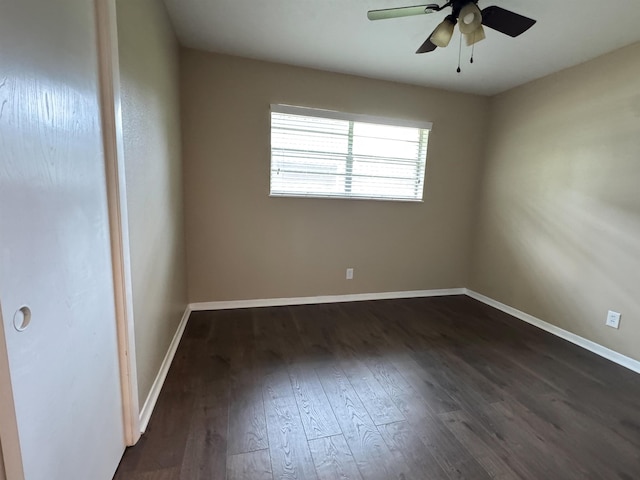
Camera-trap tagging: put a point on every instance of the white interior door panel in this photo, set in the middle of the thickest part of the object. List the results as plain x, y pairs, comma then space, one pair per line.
55, 264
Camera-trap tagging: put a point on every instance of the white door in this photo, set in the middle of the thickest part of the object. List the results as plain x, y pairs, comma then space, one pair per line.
55, 263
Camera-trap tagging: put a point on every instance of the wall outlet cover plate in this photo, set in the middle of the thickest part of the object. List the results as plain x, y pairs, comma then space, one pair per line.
613, 319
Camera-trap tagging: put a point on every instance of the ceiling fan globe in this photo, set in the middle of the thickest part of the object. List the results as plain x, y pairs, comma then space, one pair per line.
477, 36
470, 18
441, 36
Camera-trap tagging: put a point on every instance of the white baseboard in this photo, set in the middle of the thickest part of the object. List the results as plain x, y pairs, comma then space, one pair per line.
149, 404
358, 297
152, 398
594, 347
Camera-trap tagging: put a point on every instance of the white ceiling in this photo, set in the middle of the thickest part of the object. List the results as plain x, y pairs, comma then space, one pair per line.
335, 35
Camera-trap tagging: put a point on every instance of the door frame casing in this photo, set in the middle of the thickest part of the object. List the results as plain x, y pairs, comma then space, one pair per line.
114, 158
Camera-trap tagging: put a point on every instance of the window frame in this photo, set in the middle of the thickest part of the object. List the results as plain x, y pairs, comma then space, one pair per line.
352, 118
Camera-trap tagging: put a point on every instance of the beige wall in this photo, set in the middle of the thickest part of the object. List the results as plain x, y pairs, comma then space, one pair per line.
150, 109
559, 229
241, 244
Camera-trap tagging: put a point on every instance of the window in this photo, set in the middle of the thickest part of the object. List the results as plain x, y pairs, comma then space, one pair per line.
321, 153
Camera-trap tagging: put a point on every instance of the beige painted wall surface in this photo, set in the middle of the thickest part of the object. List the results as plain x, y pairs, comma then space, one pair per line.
559, 230
241, 244
150, 109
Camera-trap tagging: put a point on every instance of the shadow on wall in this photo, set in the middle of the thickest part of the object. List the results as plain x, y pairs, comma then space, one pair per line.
560, 243
560, 217
567, 227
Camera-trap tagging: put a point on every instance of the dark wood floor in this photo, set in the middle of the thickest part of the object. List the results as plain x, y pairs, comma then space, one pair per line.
439, 388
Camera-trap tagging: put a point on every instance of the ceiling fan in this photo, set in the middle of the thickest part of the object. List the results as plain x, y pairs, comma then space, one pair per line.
467, 15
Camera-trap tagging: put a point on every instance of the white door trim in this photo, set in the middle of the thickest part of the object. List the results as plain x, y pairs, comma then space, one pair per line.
109, 70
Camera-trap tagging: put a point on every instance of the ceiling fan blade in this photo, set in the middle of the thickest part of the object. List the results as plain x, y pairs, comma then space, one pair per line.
505, 21
402, 11
427, 46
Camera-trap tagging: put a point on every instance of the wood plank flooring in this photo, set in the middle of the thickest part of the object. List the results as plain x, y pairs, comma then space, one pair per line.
438, 388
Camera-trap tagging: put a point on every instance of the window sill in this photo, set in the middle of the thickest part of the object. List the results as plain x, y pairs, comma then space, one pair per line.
343, 197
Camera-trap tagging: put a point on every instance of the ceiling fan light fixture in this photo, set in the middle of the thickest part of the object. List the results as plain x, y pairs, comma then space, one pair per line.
441, 36
477, 36
470, 18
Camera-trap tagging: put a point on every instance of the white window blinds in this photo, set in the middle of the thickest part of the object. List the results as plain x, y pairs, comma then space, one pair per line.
322, 153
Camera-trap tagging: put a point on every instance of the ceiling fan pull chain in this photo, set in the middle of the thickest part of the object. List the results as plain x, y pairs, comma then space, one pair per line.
459, 54
473, 49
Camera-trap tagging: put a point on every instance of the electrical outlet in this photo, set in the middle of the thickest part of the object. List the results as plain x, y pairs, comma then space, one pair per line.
613, 319
349, 273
